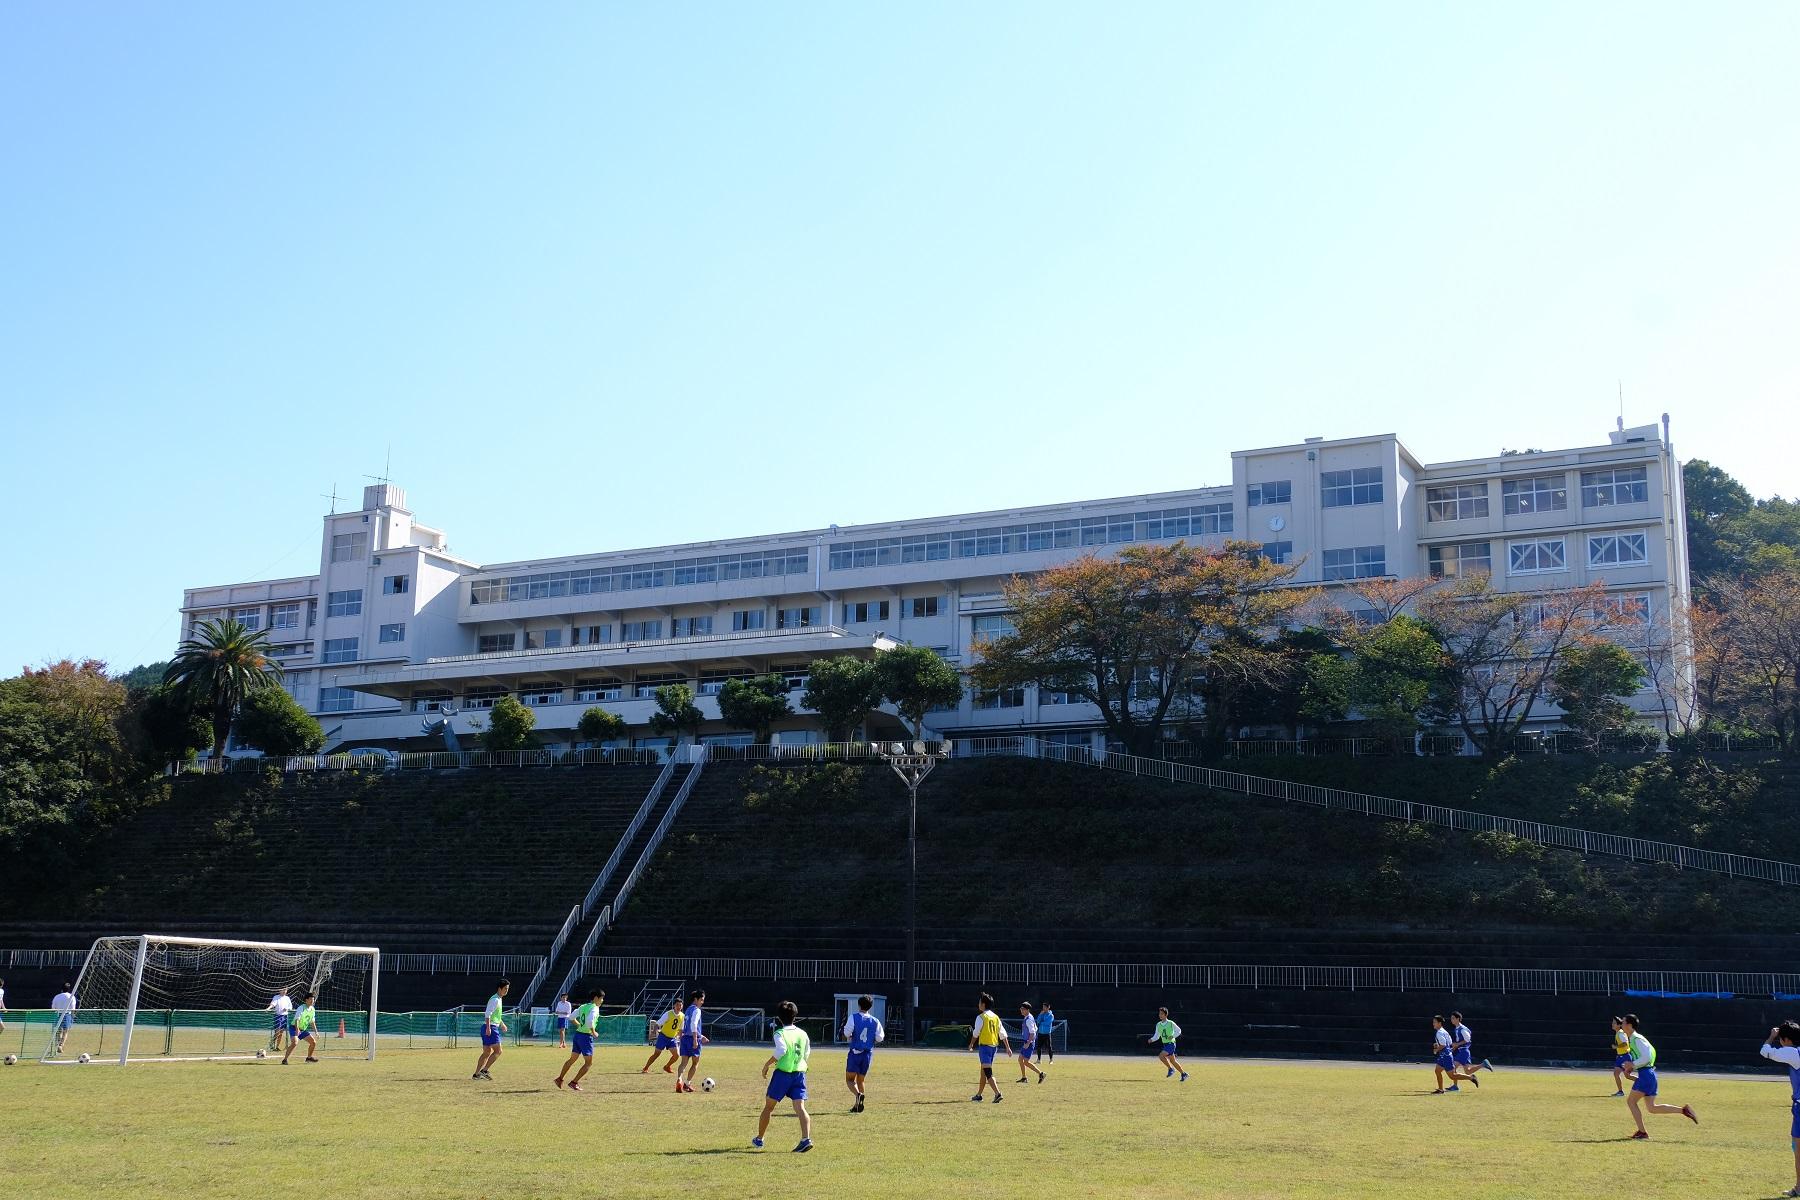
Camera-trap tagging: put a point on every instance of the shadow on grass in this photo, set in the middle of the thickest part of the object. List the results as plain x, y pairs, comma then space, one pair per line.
1606, 1141
705, 1150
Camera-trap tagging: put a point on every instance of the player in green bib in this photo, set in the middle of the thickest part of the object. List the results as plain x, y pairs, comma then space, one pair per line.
789, 1081
1166, 1033
304, 1028
587, 1028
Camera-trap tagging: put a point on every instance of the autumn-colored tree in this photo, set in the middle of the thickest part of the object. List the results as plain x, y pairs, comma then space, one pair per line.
1141, 633
1502, 650
1764, 659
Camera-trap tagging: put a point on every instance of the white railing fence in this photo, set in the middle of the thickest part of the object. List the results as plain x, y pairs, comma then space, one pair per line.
391, 963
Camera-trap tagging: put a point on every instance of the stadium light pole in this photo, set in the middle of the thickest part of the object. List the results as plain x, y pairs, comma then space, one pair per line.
912, 764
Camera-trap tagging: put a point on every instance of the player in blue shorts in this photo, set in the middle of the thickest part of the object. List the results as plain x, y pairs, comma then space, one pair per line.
493, 1027
1462, 1047
1783, 1047
1028, 1035
1644, 1084
864, 1033
987, 1037
691, 1041
561, 1012
789, 1081
587, 1028
668, 1033
1164, 1035
1443, 1059
282, 1006
1621, 1057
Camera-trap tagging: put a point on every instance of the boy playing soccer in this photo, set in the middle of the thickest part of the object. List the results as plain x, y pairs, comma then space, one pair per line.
1166, 1033
985, 1037
1462, 1047
691, 1041
1443, 1059
304, 1028
862, 1031
562, 1010
1644, 1083
668, 1028
587, 1027
1783, 1047
789, 1082
1621, 1057
1028, 1034
493, 1025
283, 1008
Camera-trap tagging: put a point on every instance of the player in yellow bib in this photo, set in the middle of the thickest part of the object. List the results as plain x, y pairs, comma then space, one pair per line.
304, 1028
986, 1037
1621, 1057
668, 1030
792, 1047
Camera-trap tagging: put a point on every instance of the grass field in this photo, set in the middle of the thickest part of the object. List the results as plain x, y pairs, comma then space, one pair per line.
414, 1124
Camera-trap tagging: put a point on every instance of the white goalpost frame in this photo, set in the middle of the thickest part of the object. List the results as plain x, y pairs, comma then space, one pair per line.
145, 940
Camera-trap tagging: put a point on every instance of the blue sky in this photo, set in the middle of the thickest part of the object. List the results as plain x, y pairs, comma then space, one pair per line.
606, 275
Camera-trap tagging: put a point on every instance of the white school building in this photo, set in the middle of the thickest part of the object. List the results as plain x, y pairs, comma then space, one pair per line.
394, 629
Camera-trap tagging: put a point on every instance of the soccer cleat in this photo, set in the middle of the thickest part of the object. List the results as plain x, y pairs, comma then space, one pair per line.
1453, 1088
1184, 1076
757, 1141
1020, 1079
669, 1070
557, 1081
1171, 1073
310, 1058
997, 1097
1486, 1065
1618, 1095
1474, 1079
1640, 1136
804, 1146
574, 1087
1687, 1110
976, 1097
643, 1070
1040, 1077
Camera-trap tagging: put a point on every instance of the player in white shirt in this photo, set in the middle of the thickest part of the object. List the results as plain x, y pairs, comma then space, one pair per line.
63, 1005
493, 1028
562, 1010
2, 1006
1028, 1043
283, 1008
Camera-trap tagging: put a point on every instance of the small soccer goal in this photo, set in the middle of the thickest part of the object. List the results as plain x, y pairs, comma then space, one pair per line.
154, 997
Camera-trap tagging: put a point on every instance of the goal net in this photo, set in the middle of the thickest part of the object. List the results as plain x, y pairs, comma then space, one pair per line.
153, 996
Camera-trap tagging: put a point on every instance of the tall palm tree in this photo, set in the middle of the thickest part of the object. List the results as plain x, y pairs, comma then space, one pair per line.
218, 667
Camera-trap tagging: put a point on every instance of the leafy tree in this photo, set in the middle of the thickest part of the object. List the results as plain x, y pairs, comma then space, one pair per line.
273, 721
1141, 634
1759, 657
1587, 684
755, 704
600, 725
142, 679
171, 729
1388, 678
1279, 695
221, 665
917, 679
509, 726
1501, 650
843, 691
676, 714
1715, 503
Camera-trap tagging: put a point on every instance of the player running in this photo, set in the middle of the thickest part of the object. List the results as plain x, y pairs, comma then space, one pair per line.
63, 1005
1166, 1033
1621, 1057
304, 1028
864, 1033
1462, 1047
283, 1007
1644, 1083
1028, 1034
692, 1039
562, 1010
587, 1028
493, 1027
1444, 1059
985, 1037
1783, 1047
789, 1082
668, 1029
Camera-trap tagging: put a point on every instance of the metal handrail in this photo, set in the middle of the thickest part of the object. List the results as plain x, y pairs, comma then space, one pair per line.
556, 945
631, 832
1562, 837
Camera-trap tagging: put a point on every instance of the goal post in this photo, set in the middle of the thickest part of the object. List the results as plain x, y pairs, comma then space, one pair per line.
162, 996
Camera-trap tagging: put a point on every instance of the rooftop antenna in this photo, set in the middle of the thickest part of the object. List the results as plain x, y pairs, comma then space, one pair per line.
387, 462
1621, 406
333, 497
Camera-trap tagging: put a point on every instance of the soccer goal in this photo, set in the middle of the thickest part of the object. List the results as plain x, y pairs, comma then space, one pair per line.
152, 997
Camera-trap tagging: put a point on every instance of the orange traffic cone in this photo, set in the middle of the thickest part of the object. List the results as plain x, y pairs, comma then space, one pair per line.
340, 1027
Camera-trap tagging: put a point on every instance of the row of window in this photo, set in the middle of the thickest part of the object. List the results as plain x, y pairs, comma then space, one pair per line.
1539, 493
278, 616
675, 572
1197, 520
1538, 555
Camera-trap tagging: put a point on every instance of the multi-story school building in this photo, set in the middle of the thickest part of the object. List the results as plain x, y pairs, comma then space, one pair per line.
394, 629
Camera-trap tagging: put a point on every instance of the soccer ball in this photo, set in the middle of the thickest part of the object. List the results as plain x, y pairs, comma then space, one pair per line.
707, 1084
12, 1060
262, 1054
83, 1058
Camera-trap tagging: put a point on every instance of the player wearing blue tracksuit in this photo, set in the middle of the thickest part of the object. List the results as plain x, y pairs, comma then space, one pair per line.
1783, 1047
864, 1033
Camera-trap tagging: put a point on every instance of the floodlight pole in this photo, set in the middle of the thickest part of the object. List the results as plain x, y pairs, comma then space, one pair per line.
912, 770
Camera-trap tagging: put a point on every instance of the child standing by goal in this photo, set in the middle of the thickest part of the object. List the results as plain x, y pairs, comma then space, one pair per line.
1166, 1033
587, 1028
986, 1037
63, 1005
305, 1028
789, 1082
862, 1031
668, 1029
493, 1027
283, 1008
